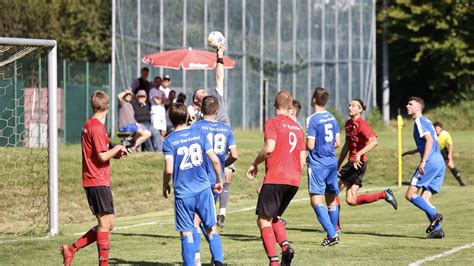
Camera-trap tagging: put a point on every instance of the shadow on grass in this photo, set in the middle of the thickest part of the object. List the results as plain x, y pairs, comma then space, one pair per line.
241, 237
116, 261
146, 235
355, 233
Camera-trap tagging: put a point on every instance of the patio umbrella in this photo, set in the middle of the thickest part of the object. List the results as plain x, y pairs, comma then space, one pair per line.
187, 59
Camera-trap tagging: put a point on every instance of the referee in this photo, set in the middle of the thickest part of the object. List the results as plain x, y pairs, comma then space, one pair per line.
446, 146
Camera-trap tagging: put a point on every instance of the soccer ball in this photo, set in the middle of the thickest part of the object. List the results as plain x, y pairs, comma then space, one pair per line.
216, 39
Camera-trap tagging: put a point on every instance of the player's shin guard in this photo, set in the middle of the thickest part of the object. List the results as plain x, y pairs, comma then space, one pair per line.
103, 245
85, 240
423, 205
333, 212
457, 175
324, 220
224, 199
280, 233
215, 245
268, 239
187, 250
197, 243
369, 198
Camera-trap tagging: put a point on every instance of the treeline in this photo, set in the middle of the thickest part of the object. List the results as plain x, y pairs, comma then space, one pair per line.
431, 50
431, 42
81, 27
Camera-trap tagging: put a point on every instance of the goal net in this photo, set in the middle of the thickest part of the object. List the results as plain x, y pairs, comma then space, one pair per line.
25, 151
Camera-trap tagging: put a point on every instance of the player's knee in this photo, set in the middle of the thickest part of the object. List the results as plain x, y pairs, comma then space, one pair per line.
351, 201
408, 196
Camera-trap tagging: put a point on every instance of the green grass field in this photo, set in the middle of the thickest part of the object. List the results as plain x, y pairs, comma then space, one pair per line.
374, 234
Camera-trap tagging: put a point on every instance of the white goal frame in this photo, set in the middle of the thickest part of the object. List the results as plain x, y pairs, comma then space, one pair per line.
53, 190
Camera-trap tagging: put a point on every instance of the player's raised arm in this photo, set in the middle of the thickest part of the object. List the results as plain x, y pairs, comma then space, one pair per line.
220, 71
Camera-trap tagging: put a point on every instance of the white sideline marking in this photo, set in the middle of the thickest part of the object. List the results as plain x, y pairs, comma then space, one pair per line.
444, 254
170, 221
28, 239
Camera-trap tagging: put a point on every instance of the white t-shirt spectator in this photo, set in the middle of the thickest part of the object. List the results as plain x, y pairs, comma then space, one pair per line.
158, 113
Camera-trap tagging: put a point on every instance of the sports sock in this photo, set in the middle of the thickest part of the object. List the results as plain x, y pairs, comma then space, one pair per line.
215, 245
268, 239
103, 245
333, 212
197, 241
423, 205
338, 201
324, 220
224, 198
369, 198
280, 233
457, 175
204, 232
85, 240
187, 250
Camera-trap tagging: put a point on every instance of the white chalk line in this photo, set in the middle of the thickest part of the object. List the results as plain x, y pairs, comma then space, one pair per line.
441, 255
27, 239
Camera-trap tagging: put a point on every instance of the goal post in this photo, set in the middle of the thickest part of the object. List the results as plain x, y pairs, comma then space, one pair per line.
51, 46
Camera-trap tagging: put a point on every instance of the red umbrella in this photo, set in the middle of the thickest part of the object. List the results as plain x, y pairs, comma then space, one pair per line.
188, 59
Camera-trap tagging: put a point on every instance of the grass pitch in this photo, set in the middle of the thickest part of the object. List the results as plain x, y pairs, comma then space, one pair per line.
373, 234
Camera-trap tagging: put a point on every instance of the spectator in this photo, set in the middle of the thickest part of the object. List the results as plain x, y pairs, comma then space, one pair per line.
142, 110
181, 98
171, 98
127, 122
158, 113
141, 83
165, 85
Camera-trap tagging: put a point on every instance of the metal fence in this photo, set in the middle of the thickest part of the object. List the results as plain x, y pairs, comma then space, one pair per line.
277, 44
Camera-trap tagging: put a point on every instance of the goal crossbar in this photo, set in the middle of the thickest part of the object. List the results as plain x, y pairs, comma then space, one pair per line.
52, 123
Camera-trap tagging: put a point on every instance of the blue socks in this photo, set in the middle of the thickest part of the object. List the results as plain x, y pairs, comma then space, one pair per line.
324, 220
187, 250
333, 215
426, 207
197, 240
215, 245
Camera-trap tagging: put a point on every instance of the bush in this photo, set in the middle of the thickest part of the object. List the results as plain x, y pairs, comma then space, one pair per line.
375, 119
454, 117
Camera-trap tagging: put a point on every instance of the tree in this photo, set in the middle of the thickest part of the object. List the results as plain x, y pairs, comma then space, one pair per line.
431, 50
82, 28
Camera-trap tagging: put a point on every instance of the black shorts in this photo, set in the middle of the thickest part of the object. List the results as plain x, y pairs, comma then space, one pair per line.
274, 199
232, 166
444, 152
348, 174
100, 199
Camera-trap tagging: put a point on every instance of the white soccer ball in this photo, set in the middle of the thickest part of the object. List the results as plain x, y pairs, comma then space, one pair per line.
216, 39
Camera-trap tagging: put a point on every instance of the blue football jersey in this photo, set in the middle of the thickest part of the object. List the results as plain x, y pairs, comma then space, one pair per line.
323, 128
423, 126
221, 138
188, 148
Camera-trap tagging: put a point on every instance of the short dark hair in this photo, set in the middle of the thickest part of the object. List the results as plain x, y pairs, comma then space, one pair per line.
210, 105
297, 106
181, 98
283, 100
437, 124
145, 69
320, 97
178, 114
157, 77
418, 100
364, 107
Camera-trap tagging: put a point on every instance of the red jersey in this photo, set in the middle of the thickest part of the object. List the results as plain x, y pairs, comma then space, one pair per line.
358, 133
283, 166
94, 140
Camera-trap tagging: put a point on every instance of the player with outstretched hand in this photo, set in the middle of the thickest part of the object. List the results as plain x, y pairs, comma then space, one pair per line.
284, 153
222, 116
429, 176
96, 157
360, 139
185, 150
221, 138
322, 137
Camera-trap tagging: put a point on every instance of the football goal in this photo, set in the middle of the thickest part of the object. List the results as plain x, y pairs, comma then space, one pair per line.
28, 139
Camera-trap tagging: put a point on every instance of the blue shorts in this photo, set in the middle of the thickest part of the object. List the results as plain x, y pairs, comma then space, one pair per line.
185, 208
323, 179
433, 178
129, 128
